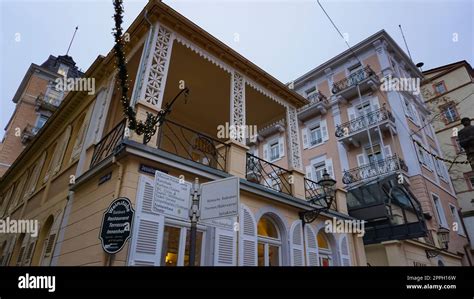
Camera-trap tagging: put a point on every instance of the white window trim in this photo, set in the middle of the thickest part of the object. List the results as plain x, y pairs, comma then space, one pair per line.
456, 217
442, 222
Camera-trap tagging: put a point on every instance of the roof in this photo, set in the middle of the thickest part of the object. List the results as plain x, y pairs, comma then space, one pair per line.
450, 66
364, 44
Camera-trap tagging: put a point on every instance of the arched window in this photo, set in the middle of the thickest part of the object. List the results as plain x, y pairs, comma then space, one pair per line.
269, 243
325, 252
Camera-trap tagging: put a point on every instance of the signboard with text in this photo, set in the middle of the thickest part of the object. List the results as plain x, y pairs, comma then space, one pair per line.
220, 199
116, 225
171, 196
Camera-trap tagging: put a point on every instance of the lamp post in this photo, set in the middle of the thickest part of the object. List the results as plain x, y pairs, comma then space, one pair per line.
324, 199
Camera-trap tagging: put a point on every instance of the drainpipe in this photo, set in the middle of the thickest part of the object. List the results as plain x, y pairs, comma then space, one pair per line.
119, 174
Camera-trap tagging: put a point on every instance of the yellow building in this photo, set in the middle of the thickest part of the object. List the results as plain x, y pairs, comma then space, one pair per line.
84, 157
449, 94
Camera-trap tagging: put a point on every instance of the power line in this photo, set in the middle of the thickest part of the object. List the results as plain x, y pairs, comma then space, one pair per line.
393, 112
338, 31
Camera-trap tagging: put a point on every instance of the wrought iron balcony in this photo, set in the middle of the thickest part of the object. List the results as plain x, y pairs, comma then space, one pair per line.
315, 195
365, 78
267, 174
47, 103
192, 145
108, 144
379, 168
318, 104
358, 125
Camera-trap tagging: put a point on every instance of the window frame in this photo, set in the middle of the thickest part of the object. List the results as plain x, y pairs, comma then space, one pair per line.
267, 241
440, 83
440, 214
443, 109
456, 218
183, 229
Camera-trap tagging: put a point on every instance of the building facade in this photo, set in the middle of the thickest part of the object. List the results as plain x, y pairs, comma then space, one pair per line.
36, 99
368, 126
85, 157
449, 94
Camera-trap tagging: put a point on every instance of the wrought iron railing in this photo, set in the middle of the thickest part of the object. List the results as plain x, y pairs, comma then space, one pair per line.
317, 97
108, 144
47, 102
28, 133
362, 122
267, 174
377, 168
314, 194
353, 79
192, 145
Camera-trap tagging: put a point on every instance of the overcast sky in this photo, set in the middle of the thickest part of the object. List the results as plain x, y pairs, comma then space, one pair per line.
285, 38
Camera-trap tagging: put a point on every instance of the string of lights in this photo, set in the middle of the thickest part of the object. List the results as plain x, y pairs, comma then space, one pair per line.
147, 128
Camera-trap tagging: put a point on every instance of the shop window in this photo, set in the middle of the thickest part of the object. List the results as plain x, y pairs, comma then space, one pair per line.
269, 243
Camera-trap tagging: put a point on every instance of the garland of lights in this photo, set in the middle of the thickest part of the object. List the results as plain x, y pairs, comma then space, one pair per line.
438, 157
148, 128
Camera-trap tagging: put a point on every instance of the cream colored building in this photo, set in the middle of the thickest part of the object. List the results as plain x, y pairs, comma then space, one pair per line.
84, 157
449, 93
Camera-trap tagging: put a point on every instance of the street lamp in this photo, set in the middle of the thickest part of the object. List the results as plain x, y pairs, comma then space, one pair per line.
325, 198
443, 238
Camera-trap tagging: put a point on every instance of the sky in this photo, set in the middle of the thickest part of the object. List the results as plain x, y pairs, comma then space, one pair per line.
285, 38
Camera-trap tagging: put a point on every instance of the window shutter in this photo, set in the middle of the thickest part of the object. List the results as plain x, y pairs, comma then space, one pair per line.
351, 113
387, 151
265, 151
305, 137
296, 244
281, 146
224, 248
35, 175
147, 237
247, 238
324, 130
374, 103
312, 258
29, 252
344, 249
20, 256
60, 151
48, 249
96, 119
309, 173
361, 160
330, 168
415, 114
81, 135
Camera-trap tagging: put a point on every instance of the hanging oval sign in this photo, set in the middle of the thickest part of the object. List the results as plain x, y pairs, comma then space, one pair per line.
116, 225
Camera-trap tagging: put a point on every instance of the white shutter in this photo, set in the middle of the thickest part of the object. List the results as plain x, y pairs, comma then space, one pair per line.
416, 118
23, 248
60, 150
305, 137
324, 130
374, 103
247, 238
29, 251
344, 250
296, 244
281, 146
265, 151
351, 113
312, 258
309, 173
35, 175
48, 248
361, 160
387, 151
330, 168
147, 237
224, 248
81, 135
